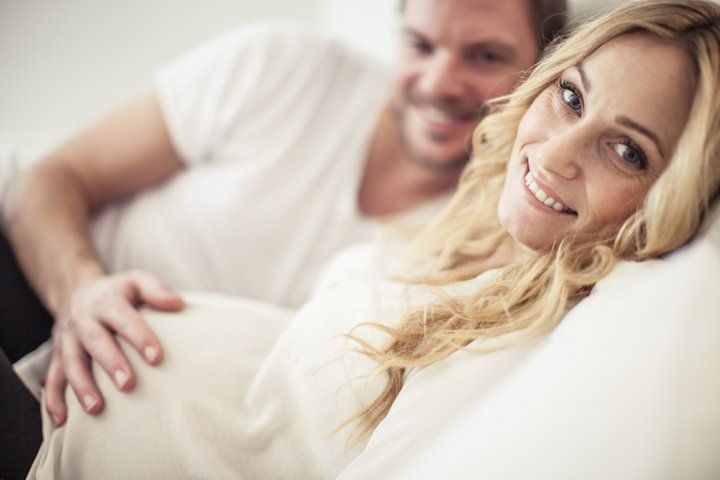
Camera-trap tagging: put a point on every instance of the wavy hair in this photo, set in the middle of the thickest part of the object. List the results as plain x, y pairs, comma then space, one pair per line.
530, 298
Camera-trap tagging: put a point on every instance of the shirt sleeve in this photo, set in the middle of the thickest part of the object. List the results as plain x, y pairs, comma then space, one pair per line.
214, 87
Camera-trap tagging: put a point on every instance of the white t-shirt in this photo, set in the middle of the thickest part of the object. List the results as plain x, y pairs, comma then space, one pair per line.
274, 125
221, 407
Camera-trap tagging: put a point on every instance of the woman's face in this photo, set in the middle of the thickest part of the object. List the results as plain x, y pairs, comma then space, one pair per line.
591, 145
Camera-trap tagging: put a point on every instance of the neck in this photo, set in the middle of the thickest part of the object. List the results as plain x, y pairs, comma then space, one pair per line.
392, 182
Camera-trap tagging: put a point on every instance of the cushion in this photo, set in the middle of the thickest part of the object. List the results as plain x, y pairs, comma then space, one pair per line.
626, 387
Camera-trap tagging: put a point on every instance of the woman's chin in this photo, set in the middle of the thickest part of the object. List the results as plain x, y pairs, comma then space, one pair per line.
528, 234
531, 244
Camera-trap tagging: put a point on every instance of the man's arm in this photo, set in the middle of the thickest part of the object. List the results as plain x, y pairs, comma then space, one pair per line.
46, 213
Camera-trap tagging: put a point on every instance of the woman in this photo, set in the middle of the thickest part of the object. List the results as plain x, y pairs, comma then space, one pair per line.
608, 152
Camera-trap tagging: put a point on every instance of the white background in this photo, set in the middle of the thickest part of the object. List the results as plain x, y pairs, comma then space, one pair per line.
65, 62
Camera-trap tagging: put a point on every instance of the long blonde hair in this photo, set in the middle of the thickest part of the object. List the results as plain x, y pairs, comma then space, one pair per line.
529, 298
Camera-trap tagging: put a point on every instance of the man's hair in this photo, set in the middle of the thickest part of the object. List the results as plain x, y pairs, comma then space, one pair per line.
548, 18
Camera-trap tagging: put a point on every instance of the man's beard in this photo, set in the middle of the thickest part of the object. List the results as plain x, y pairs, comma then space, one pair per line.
450, 105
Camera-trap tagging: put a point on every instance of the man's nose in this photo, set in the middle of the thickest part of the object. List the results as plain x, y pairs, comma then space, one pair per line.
563, 153
441, 77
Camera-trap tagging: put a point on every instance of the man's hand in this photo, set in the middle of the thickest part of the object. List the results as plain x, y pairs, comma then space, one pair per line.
85, 329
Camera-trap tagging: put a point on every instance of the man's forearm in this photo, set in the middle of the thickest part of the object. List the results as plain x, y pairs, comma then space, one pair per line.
45, 215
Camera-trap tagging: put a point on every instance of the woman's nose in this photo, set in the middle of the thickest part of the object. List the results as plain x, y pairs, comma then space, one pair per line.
563, 153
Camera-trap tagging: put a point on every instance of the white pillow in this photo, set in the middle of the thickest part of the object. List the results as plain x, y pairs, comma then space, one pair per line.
626, 387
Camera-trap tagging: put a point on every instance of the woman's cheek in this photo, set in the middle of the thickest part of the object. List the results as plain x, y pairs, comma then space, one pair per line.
614, 202
538, 120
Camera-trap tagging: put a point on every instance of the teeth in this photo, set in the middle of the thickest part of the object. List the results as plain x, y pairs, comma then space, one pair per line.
542, 196
439, 116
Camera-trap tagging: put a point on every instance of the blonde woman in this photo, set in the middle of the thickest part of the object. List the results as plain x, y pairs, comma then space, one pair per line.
608, 152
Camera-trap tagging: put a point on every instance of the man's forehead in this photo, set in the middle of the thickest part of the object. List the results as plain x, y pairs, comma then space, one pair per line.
468, 21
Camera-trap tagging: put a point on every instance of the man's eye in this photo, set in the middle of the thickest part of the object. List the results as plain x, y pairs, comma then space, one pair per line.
484, 57
631, 155
571, 98
421, 46
488, 57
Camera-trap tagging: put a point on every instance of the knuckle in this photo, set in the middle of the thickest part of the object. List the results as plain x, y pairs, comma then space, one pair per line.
92, 336
55, 367
55, 372
102, 302
74, 368
118, 364
131, 328
51, 383
69, 321
80, 387
111, 359
54, 399
79, 390
137, 273
65, 359
122, 313
52, 407
63, 353
133, 276
56, 344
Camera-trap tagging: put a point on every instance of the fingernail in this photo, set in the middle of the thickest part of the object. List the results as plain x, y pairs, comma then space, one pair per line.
121, 378
89, 401
55, 419
151, 354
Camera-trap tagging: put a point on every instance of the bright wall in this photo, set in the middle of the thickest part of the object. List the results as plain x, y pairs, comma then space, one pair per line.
66, 62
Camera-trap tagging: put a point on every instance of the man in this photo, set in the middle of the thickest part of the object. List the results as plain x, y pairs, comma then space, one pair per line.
253, 160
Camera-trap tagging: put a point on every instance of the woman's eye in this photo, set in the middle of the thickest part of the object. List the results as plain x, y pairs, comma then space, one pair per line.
631, 155
571, 99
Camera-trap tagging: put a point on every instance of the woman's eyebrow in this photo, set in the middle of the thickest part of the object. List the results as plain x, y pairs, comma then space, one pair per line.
623, 120
583, 77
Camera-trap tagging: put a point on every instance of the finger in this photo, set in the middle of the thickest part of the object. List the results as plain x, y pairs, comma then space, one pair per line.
129, 324
102, 347
76, 364
55, 391
151, 291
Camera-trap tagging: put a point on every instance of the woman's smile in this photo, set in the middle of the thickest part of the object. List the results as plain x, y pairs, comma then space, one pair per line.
542, 197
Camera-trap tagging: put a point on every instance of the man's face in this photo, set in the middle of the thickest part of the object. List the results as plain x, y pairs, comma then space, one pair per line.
454, 56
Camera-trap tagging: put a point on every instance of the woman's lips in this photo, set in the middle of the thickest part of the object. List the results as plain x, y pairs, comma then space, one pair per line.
542, 197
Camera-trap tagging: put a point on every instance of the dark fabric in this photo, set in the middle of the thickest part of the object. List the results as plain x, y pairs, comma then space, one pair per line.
24, 321
20, 424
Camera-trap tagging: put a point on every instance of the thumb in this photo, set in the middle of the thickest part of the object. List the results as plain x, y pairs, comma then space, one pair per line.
150, 291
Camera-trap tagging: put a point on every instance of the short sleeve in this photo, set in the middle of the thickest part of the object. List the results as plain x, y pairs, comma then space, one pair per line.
209, 90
